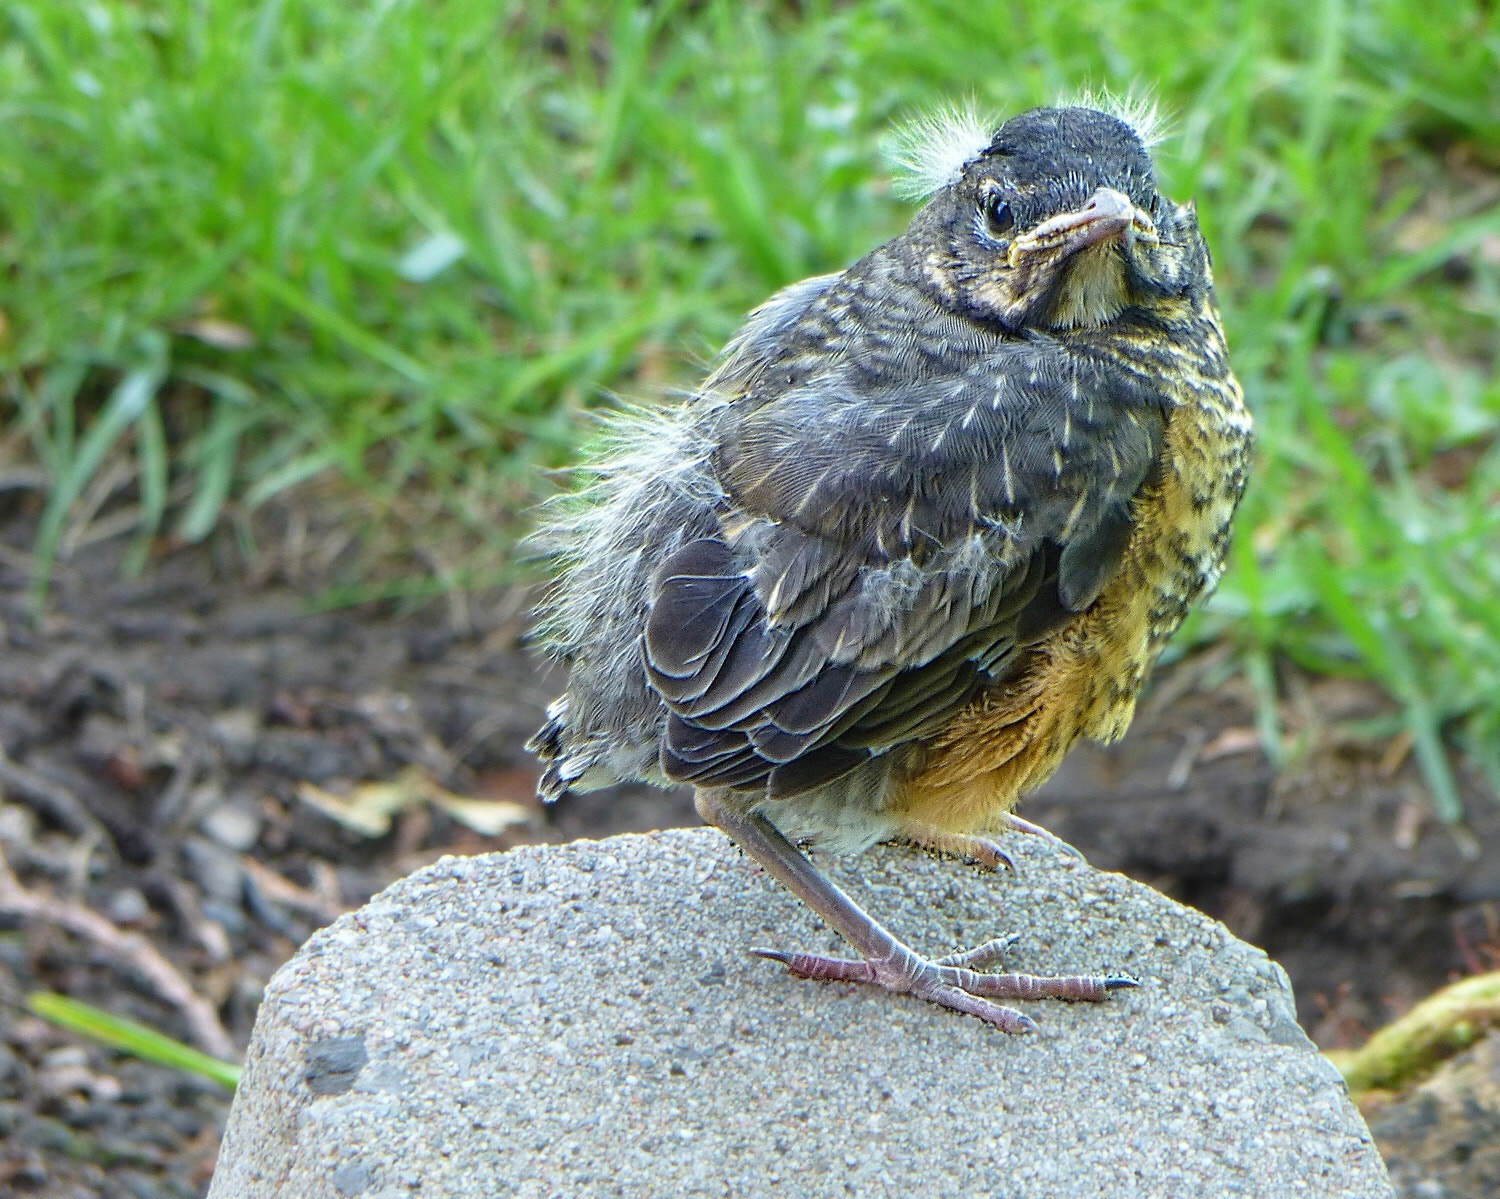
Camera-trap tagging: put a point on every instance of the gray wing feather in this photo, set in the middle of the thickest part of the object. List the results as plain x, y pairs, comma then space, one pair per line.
893, 539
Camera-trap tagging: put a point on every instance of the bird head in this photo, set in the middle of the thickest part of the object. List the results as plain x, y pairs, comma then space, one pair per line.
1053, 223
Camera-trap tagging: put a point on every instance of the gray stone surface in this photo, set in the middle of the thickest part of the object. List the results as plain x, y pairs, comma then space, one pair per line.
584, 1020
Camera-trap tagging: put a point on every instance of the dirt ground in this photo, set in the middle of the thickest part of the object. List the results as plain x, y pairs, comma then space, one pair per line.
176, 746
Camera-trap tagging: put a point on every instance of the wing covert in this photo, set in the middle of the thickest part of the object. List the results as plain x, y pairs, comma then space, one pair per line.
886, 548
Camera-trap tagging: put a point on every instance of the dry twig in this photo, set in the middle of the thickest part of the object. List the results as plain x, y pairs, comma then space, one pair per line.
50, 799
126, 948
284, 891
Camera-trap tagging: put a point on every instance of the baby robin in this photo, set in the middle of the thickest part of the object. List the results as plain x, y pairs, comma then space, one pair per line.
927, 522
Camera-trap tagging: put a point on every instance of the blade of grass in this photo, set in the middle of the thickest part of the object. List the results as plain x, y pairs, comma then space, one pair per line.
152, 456
128, 1036
339, 327
130, 398
289, 474
1386, 649
216, 462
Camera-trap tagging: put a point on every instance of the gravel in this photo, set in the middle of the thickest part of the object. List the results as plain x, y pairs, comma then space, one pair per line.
1442, 1136
584, 1020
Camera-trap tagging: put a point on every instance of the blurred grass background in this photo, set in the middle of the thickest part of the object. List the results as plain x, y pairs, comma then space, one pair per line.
406, 244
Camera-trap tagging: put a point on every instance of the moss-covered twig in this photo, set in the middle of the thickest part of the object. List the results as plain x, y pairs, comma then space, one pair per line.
1440, 1026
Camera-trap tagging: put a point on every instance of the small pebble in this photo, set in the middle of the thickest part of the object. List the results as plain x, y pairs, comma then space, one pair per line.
82, 1113
234, 824
213, 935
232, 919
58, 1082
214, 869
127, 906
14, 955
138, 1187
47, 1133
17, 826
62, 1059
237, 729
352, 1178
12, 1074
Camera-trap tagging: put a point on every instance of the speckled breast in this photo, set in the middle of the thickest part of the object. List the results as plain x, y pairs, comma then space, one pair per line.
1182, 517
1085, 678
1205, 466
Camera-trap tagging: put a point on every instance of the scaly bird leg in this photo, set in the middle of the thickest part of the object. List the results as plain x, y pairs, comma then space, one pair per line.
885, 961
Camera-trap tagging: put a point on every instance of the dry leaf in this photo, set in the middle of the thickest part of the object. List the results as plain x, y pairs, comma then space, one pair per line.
370, 807
1230, 741
487, 817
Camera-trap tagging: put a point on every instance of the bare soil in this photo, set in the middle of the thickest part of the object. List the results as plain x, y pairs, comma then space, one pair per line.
166, 738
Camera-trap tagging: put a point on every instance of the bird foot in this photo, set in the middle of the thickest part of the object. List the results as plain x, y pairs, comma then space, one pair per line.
950, 982
884, 961
986, 851
983, 850
981, 955
1017, 824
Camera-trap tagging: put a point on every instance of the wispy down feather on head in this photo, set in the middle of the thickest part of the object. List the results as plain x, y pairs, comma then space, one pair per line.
929, 152
1138, 109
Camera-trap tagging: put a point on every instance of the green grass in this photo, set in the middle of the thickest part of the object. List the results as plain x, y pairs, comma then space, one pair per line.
129, 1036
449, 228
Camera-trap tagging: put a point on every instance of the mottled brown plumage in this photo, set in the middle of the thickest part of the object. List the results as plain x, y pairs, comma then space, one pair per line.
927, 523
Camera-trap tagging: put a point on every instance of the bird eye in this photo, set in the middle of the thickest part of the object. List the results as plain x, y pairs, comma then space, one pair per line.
998, 219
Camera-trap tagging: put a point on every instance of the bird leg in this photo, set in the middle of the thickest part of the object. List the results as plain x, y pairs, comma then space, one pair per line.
885, 961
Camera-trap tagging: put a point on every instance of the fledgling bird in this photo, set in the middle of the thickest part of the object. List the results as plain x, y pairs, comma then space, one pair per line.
927, 522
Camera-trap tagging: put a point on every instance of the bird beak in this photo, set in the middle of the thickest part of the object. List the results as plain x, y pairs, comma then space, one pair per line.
1107, 215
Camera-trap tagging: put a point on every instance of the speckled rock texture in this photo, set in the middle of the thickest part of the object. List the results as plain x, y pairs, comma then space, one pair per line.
584, 1020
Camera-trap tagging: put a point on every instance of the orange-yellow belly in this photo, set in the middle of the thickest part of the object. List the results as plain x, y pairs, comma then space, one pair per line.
1084, 679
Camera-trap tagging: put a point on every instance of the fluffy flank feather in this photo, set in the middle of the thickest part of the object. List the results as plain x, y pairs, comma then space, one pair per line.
646, 490
1138, 109
929, 152
644, 457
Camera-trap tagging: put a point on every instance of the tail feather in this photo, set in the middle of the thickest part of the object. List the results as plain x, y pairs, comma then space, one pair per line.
547, 744
567, 758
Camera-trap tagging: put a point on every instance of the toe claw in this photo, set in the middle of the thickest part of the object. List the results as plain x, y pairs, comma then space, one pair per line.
819, 967
1021, 825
